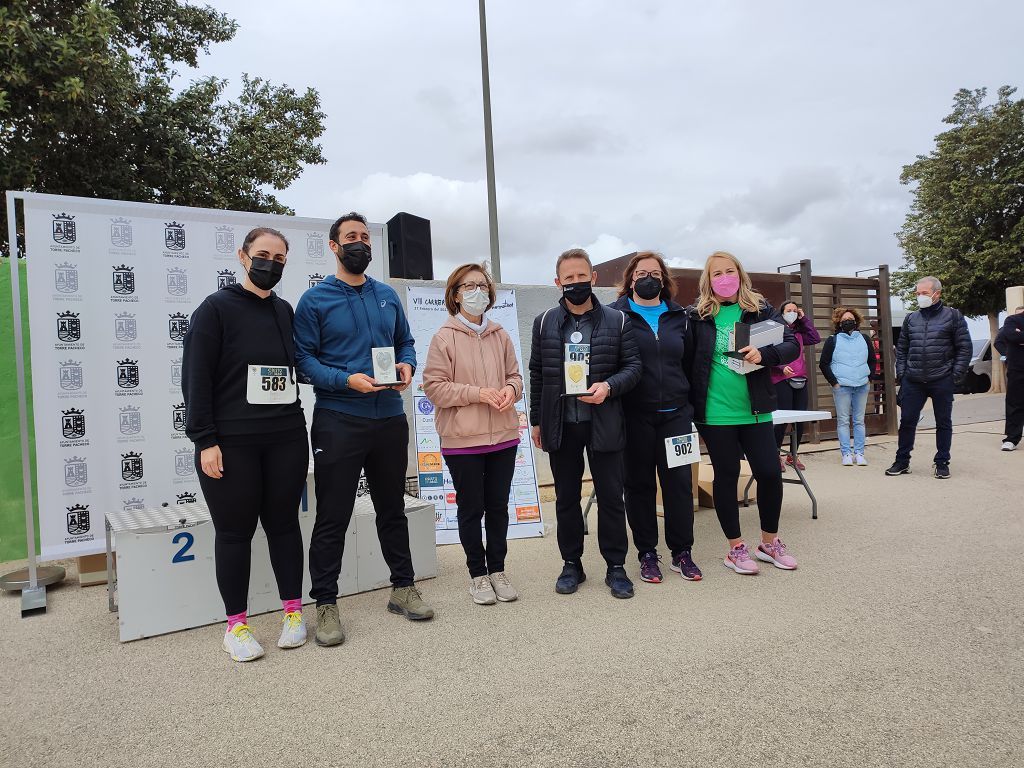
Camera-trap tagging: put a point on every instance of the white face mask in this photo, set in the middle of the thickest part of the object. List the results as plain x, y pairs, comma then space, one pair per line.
790, 317
924, 301
475, 302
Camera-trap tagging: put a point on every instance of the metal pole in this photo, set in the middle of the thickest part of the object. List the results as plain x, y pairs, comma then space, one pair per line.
887, 349
492, 206
810, 352
33, 596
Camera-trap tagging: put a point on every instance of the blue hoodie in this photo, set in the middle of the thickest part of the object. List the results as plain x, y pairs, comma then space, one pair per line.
335, 328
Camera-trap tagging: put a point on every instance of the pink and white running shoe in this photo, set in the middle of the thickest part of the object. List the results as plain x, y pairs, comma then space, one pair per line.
739, 560
775, 553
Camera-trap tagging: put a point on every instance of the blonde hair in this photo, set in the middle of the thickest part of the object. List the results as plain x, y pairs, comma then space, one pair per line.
708, 303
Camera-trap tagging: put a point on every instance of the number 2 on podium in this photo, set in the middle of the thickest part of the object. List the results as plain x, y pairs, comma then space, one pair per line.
180, 556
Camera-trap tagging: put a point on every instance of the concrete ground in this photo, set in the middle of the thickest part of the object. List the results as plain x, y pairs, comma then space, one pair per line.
898, 642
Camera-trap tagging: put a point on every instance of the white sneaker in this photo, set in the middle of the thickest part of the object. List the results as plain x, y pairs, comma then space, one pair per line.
482, 591
293, 631
847, 460
503, 588
240, 643
1008, 446
860, 460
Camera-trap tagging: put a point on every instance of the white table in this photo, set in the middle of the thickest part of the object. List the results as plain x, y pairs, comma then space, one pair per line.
794, 417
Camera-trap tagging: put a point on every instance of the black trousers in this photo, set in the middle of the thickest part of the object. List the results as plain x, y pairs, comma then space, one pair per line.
726, 446
482, 482
645, 457
790, 400
606, 470
263, 480
344, 446
911, 399
1014, 405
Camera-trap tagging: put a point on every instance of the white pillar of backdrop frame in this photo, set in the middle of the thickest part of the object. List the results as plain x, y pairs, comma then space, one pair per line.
172, 246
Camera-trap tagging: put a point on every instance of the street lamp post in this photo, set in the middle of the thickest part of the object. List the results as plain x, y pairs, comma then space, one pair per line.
492, 206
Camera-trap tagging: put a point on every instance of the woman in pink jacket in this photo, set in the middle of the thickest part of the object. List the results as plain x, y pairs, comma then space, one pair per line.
472, 377
790, 380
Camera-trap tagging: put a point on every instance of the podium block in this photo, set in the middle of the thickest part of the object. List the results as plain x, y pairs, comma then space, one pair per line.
165, 564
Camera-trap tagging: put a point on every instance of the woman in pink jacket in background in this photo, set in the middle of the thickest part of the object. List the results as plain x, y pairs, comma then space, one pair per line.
472, 378
791, 380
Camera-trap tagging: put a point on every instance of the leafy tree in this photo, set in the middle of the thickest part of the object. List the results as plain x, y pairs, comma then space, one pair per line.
88, 106
966, 222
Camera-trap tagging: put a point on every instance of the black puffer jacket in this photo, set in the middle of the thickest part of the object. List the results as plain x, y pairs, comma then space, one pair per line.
701, 345
663, 384
934, 343
613, 358
1010, 342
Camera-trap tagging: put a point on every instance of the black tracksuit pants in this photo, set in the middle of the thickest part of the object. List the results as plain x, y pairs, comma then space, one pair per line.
606, 471
344, 446
790, 400
263, 480
645, 465
726, 446
1014, 405
482, 482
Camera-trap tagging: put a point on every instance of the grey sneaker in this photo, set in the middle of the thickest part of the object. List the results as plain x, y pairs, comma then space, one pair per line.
481, 590
408, 602
503, 588
328, 626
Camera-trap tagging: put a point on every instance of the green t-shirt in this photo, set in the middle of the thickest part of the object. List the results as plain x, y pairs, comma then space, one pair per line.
728, 397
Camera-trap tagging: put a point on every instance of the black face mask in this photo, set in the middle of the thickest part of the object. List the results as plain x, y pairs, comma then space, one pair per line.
355, 257
265, 273
647, 287
578, 293
848, 326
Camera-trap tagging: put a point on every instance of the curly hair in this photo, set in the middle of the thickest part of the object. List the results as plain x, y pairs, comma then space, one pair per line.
839, 311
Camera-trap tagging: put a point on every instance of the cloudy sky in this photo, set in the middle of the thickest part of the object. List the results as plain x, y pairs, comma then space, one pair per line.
773, 130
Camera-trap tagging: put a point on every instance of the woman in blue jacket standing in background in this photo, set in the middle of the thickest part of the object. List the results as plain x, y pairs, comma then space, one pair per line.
847, 360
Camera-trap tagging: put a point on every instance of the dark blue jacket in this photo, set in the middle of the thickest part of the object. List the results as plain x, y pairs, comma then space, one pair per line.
934, 343
335, 328
613, 358
663, 383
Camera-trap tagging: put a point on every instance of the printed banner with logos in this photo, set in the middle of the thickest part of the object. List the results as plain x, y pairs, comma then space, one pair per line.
111, 288
427, 314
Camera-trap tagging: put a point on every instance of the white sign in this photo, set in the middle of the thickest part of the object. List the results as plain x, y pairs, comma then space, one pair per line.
111, 289
682, 449
427, 313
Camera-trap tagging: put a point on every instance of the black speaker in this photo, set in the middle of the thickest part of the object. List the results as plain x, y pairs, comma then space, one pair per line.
410, 255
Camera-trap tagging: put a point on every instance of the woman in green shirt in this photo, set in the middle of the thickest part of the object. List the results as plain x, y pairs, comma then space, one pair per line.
733, 412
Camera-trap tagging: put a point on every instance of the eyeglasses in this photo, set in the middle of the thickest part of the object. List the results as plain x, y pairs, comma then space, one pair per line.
467, 287
640, 274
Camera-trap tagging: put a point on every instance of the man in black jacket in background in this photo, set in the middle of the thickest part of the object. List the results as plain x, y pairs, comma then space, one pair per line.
1010, 342
932, 356
581, 338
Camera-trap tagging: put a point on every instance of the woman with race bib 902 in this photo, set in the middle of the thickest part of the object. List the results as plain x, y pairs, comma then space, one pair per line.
658, 419
244, 417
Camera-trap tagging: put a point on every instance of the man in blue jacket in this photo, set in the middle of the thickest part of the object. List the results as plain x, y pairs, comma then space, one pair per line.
932, 355
358, 424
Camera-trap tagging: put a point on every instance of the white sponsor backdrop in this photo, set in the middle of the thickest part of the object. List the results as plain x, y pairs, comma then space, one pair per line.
111, 288
427, 314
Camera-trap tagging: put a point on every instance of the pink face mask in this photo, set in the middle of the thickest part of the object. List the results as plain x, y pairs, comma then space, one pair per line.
725, 285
